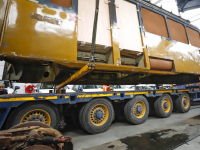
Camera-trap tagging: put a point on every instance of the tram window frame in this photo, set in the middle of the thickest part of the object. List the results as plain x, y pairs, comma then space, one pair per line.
192, 39
154, 31
177, 29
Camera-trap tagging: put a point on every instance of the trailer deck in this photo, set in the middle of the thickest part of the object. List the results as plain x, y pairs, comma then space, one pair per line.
9, 102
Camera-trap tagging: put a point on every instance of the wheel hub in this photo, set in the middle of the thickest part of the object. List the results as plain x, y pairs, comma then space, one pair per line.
38, 120
99, 114
38, 115
165, 105
185, 102
139, 109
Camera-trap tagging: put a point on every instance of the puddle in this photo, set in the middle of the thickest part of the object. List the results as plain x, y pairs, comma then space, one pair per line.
193, 121
158, 140
155, 140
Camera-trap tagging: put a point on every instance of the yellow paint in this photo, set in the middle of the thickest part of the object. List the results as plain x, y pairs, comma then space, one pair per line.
36, 39
141, 104
166, 100
84, 70
94, 95
196, 89
63, 15
136, 93
188, 102
100, 121
163, 91
66, 96
115, 45
40, 114
185, 57
40, 39
17, 99
118, 94
146, 58
183, 90
48, 11
50, 97
145, 52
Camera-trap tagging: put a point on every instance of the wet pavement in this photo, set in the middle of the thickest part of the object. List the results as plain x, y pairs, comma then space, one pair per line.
159, 139
155, 133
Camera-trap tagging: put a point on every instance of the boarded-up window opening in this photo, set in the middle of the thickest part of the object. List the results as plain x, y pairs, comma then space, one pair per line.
63, 3
154, 23
177, 31
194, 37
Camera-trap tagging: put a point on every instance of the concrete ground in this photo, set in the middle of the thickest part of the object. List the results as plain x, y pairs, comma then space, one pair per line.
191, 145
121, 130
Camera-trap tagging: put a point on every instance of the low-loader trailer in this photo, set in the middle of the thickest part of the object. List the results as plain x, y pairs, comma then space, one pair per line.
94, 111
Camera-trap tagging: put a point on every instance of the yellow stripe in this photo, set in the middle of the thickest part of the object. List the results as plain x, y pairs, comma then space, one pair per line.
66, 96
51, 97
196, 89
163, 91
141, 93
17, 99
94, 95
118, 94
183, 90
132, 93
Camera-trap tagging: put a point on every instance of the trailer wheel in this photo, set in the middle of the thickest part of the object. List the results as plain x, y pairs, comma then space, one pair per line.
96, 116
183, 103
75, 115
163, 106
136, 110
35, 112
119, 111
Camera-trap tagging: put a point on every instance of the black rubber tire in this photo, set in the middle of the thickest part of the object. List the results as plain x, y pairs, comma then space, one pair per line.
128, 110
151, 102
119, 112
75, 115
84, 116
158, 106
174, 105
179, 105
17, 114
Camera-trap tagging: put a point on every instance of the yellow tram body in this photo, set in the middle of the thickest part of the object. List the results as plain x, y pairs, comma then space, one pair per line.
136, 42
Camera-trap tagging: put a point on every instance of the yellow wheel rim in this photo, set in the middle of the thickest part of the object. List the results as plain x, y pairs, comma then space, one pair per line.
37, 115
166, 105
139, 109
99, 115
185, 102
